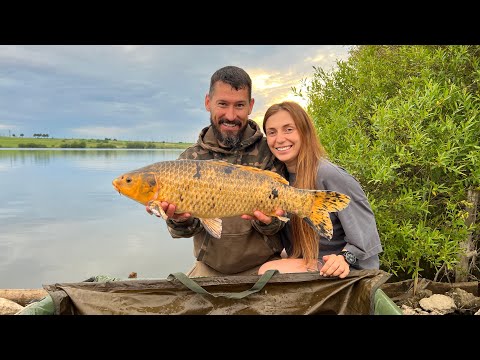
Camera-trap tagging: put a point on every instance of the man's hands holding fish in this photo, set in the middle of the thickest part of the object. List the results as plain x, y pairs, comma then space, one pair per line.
169, 210
258, 215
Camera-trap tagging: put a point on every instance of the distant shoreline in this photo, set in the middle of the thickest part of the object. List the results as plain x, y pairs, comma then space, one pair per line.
61, 143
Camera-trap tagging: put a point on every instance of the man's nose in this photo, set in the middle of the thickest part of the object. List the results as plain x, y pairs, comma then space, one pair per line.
230, 113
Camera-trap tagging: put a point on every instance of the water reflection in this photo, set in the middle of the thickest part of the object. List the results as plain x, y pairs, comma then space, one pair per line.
62, 221
17, 157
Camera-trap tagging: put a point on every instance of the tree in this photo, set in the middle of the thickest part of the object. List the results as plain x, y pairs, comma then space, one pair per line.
405, 121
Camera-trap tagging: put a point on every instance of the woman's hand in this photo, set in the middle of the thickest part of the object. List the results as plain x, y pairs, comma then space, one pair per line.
335, 265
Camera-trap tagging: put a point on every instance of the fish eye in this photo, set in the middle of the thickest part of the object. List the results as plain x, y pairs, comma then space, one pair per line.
128, 180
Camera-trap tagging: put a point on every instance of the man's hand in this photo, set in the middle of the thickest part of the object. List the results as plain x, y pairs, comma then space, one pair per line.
258, 215
169, 210
335, 265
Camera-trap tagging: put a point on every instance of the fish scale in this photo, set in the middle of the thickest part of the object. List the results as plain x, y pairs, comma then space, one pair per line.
206, 192
213, 189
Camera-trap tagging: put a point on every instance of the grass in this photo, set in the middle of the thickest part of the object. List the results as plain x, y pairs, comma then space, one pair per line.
22, 142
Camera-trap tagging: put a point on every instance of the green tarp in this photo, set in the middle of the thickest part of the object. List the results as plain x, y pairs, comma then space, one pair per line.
280, 294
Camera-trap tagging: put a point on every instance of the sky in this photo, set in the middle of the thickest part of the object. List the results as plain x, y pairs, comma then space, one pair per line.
141, 92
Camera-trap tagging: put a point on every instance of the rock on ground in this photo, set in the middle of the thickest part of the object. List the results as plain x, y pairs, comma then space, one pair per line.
9, 307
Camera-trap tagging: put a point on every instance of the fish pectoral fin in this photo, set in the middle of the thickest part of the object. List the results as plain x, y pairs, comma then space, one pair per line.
156, 208
283, 218
213, 226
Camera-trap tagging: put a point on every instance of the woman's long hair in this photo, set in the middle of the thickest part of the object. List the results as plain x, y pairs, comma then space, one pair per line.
305, 241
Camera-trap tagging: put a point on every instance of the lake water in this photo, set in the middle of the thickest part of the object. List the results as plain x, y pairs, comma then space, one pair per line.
61, 220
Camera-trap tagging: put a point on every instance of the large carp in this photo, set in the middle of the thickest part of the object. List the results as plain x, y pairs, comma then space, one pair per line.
212, 189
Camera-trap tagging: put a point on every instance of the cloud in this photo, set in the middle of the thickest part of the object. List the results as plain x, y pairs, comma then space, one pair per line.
141, 92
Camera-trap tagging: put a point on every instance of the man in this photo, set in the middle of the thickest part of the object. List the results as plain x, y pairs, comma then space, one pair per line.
244, 244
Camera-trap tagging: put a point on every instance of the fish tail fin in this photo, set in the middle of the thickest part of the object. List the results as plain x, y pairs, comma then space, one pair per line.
325, 202
213, 226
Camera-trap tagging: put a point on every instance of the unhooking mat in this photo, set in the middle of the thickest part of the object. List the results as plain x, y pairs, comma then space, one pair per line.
270, 294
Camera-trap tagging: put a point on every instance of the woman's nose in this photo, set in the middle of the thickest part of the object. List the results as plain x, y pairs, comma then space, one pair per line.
280, 138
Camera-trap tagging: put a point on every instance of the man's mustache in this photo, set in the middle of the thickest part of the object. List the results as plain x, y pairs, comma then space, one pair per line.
225, 121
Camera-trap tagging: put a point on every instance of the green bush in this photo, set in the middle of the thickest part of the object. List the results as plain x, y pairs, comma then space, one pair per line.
74, 145
405, 121
140, 145
105, 145
31, 145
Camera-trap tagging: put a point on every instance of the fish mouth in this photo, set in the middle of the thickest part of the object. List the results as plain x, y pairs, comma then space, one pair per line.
114, 183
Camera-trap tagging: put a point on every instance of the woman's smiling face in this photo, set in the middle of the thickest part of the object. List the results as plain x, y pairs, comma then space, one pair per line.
283, 138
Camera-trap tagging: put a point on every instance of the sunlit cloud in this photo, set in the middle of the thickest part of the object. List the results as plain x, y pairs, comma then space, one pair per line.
274, 87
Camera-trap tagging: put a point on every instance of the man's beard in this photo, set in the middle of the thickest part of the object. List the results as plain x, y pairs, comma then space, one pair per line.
228, 140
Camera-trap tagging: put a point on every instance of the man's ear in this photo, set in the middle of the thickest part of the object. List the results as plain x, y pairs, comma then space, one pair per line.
207, 102
252, 101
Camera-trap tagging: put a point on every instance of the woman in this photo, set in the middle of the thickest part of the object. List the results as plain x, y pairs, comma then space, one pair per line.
355, 243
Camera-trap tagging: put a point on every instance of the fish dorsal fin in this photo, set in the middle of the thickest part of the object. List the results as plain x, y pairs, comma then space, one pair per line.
253, 169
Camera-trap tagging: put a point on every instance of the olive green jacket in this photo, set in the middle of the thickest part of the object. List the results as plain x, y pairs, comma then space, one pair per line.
244, 244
